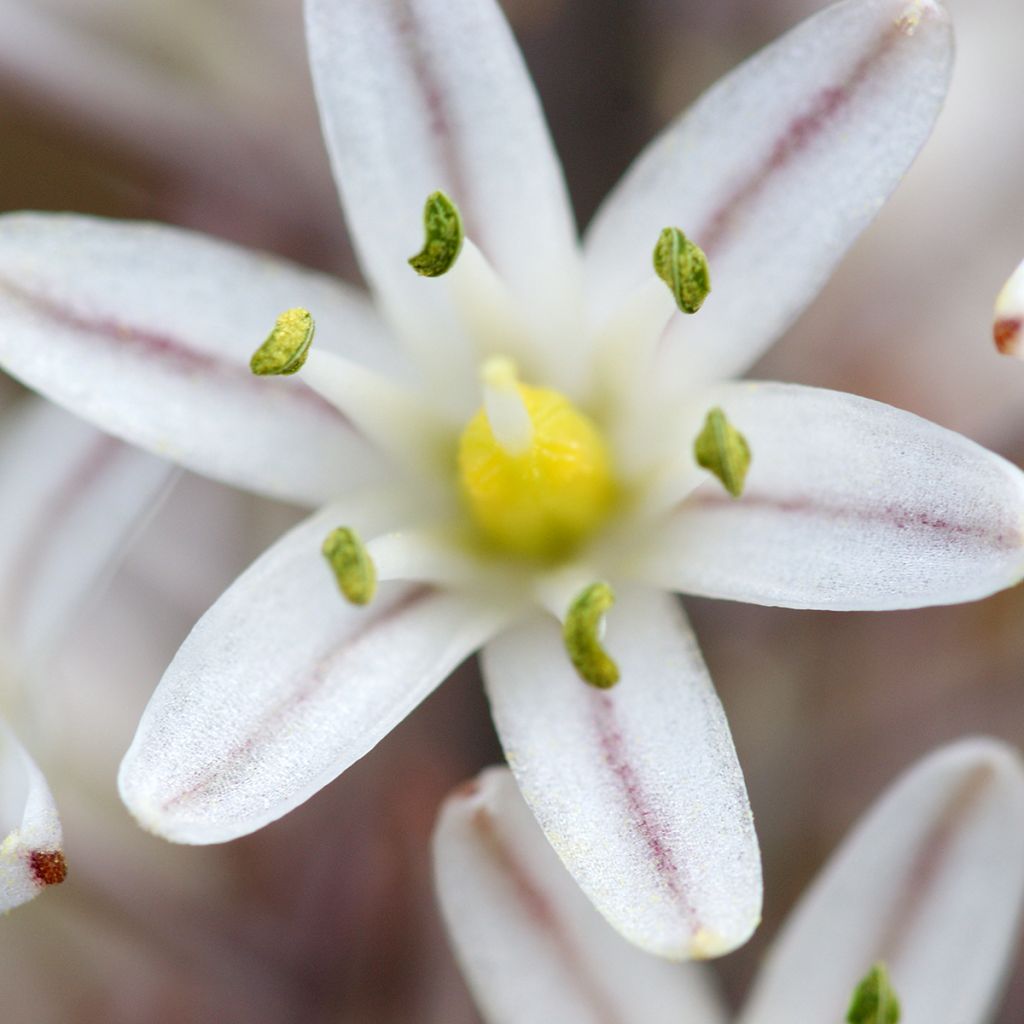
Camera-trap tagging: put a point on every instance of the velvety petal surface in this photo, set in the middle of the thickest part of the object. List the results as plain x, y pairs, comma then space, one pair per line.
848, 504
775, 171
71, 496
637, 787
530, 944
420, 95
930, 882
30, 848
147, 331
283, 684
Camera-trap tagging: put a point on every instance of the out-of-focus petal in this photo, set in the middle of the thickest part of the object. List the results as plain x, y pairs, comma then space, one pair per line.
531, 945
774, 173
420, 95
283, 684
931, 882
70, 497
637, 787
147, 331
30, 850
848, 504
1008, 320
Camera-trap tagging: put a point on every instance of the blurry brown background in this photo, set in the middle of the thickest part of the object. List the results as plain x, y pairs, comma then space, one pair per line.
200, 112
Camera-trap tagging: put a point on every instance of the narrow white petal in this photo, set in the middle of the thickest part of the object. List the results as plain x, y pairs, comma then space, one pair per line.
637, 787
930, 882
849, 504
775, 171
30, 848
420, 95
530, 944
283, 684
147, 332
70, 496
1008, 320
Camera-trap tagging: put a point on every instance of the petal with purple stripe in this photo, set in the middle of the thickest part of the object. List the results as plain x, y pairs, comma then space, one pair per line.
420, 95
931, 882
775, 171
531, 945
283, 684
146, 331
638, 787
71, 497
849, 504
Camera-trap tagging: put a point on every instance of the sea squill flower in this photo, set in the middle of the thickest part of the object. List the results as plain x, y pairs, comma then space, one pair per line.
69, 496
522, 433
926, 892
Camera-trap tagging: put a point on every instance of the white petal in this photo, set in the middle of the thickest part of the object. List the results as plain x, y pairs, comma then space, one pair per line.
420, 95
775, 171
282, 685
1008, 321
70, 496
637, 787
930, 882
849, 504
147, 331
30, 850
530, 944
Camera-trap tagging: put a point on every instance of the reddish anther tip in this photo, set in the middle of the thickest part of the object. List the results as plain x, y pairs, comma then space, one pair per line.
48, 866
1006, 333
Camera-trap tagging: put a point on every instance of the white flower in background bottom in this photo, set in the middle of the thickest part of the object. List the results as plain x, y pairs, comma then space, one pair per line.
529, 450
69, 496
930, 883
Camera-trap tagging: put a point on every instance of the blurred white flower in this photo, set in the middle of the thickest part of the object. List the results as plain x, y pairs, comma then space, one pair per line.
493, 508
930, 883
69, 497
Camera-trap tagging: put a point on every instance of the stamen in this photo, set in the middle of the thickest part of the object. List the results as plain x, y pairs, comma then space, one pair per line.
443, 226
874, 1001
683, 266
723, 450
506, 411
287, 345
581, 633
353, 568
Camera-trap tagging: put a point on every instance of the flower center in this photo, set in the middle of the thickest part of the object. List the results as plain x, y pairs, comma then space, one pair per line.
534, 470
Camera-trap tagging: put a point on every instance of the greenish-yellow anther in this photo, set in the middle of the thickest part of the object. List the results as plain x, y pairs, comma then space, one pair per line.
581, 635
874, 1001
287, 345
443, 226
723, 450
351, 564
682, 265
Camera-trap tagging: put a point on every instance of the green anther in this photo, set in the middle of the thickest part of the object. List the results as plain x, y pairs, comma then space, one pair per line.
874, 1001
723, 450
352, 566
580, 635
443, 227
287, 345
683, 266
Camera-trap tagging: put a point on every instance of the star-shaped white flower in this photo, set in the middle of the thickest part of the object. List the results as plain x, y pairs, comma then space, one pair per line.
573, 361
69, 496
930, 883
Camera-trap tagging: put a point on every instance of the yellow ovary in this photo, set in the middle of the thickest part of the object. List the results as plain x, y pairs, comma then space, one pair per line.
544, 500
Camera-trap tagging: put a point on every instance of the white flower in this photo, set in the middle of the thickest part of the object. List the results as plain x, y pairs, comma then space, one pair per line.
69, 496
931, 883
848, 504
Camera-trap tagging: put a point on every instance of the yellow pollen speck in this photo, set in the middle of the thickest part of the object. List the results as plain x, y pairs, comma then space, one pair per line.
544, 501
